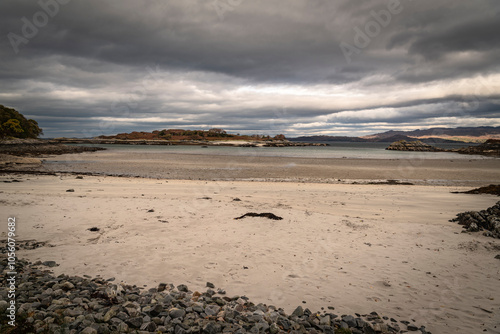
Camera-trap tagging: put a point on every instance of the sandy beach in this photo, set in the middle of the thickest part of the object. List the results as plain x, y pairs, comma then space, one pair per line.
356, 247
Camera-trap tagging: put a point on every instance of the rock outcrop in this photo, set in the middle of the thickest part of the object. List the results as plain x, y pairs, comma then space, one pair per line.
492, 189
485, 220
418, 146
292, 144
491, 147
38, 147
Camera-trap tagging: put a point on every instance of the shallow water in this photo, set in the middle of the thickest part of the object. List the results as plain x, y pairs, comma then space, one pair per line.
334, 150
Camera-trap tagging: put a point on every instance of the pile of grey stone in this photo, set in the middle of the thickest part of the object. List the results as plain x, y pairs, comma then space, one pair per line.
485, 220
71, 304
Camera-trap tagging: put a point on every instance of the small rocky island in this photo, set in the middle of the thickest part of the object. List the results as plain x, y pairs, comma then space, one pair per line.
211, 137
417, 146
491, 148
187, 142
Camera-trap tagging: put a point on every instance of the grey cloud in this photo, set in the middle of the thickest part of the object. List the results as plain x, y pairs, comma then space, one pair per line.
91, 60
475, 36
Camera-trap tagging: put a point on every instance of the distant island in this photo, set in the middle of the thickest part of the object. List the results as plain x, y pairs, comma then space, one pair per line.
432, 136
212, 137
221, 137
214, 134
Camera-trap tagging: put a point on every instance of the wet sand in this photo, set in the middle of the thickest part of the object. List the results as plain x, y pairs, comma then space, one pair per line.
470, 172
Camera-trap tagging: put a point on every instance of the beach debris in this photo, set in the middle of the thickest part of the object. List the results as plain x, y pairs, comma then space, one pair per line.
483, 309
492, 189
392, 182
485, 220
94, 229
70, 190
265, 215
151, 210
79, 177
236, 199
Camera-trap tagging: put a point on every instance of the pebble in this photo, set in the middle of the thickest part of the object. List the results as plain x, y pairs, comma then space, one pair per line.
176, 313
299, 312
49, 263
412, 328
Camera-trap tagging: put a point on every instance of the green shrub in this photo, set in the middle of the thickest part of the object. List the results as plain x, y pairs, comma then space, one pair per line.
14, 124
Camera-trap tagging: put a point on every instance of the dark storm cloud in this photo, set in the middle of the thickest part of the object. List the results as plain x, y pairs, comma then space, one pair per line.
256, 42
119, 66
477, 36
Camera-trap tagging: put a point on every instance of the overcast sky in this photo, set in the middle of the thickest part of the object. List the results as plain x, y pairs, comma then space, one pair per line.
297, 67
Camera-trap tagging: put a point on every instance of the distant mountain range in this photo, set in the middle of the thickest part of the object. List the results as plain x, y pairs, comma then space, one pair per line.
432, 135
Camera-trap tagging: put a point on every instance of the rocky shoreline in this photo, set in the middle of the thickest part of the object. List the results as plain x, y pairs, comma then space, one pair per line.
234, 143
71, 304
489, 148
40, 147
492, 189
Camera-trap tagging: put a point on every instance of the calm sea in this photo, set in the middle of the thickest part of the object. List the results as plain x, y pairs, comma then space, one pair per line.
335, 150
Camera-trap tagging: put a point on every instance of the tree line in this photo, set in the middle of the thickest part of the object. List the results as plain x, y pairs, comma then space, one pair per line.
14, 125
